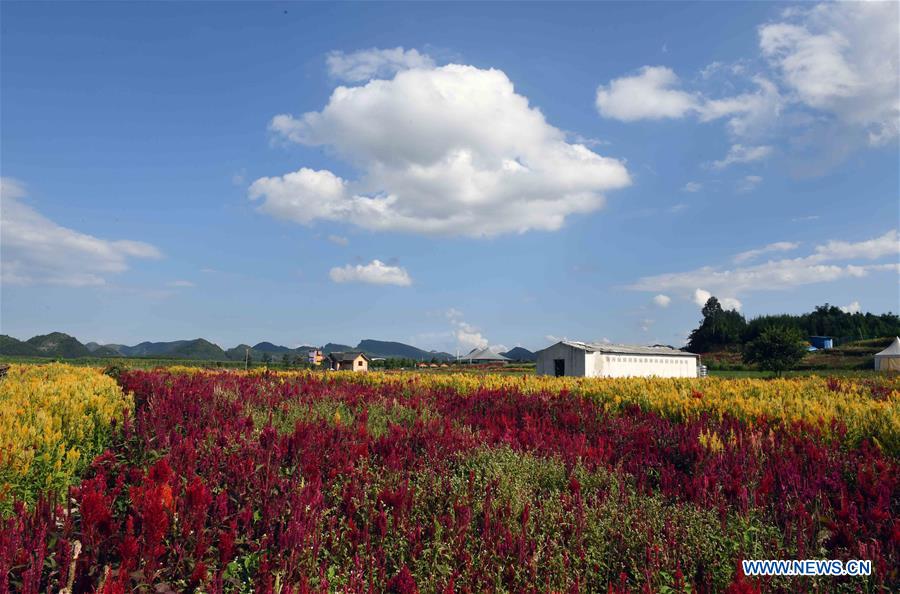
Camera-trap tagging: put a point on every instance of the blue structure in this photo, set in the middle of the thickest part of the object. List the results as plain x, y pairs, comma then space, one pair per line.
821, 342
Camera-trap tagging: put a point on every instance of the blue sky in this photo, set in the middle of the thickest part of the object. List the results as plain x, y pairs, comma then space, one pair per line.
444, 175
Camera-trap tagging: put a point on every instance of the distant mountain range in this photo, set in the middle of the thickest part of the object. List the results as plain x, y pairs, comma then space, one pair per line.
62, 346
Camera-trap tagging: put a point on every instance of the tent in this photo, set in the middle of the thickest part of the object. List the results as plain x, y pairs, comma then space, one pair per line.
889, 358
484, 356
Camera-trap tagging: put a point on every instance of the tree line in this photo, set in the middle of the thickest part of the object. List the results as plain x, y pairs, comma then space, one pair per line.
722, 329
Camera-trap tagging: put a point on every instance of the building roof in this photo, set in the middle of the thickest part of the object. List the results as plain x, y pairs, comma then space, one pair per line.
892, 351
484, 355
347, 356
626, 349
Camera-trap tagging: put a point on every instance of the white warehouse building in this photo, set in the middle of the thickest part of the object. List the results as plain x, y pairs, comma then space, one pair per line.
585, 359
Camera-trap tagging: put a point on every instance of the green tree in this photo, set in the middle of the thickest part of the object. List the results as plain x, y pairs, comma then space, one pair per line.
776, 349
266, 358
720, 328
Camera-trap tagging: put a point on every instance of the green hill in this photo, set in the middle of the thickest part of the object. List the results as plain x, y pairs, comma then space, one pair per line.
58, 344
388, 349
520, 354
200, 349
333, 347
14, 346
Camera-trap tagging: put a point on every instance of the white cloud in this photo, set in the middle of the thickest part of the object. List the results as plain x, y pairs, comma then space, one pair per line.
662, 300
820, 266
692, 187
652, 94
646, 324
469, 336
649, 94
451, 150
374, 273
749, 183
182, 284
749, 114
338, 240
885, 245
825, 81
852, 308
778, 246
372, 63
35, 250
739, 153
701, 296
453, 314
843, 59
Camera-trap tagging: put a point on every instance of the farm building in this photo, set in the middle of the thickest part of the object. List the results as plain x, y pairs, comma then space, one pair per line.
315, 357
889, 358
585, 359
484, 356
349, 361
821, 342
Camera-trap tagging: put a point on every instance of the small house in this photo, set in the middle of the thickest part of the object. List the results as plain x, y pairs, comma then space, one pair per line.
821, 342
585, 359
349, 361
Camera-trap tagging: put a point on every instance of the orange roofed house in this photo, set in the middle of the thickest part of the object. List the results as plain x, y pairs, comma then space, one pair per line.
349, 361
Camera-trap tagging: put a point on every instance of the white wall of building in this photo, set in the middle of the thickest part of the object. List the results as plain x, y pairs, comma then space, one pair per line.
580, 363
573, 359
625, 365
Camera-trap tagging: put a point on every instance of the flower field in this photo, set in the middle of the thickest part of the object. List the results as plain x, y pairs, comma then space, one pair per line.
53, 420
302, 482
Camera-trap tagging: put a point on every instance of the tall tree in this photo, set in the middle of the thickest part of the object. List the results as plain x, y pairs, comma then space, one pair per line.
776, 349
720, 328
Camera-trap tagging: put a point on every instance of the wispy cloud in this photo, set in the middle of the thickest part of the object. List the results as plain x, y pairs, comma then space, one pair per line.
372, 63
374, 273
824, 264
778, 246
739, 153
36, 250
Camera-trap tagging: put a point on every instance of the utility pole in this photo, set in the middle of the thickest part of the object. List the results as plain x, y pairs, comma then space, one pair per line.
247, 359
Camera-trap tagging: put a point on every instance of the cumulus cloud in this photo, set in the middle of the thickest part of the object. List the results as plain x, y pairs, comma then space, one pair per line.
469, 336
35, 250
651, 94
822, 265
852, 308
372, 63
692, 187
452, 150
825, 80
843, 59
662, 300
739, 153
374, 273
701, 296
778, 246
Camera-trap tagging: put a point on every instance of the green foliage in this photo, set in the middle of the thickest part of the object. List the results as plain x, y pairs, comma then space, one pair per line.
776, 349
13, 346
719, 328
722, 330
828, 320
